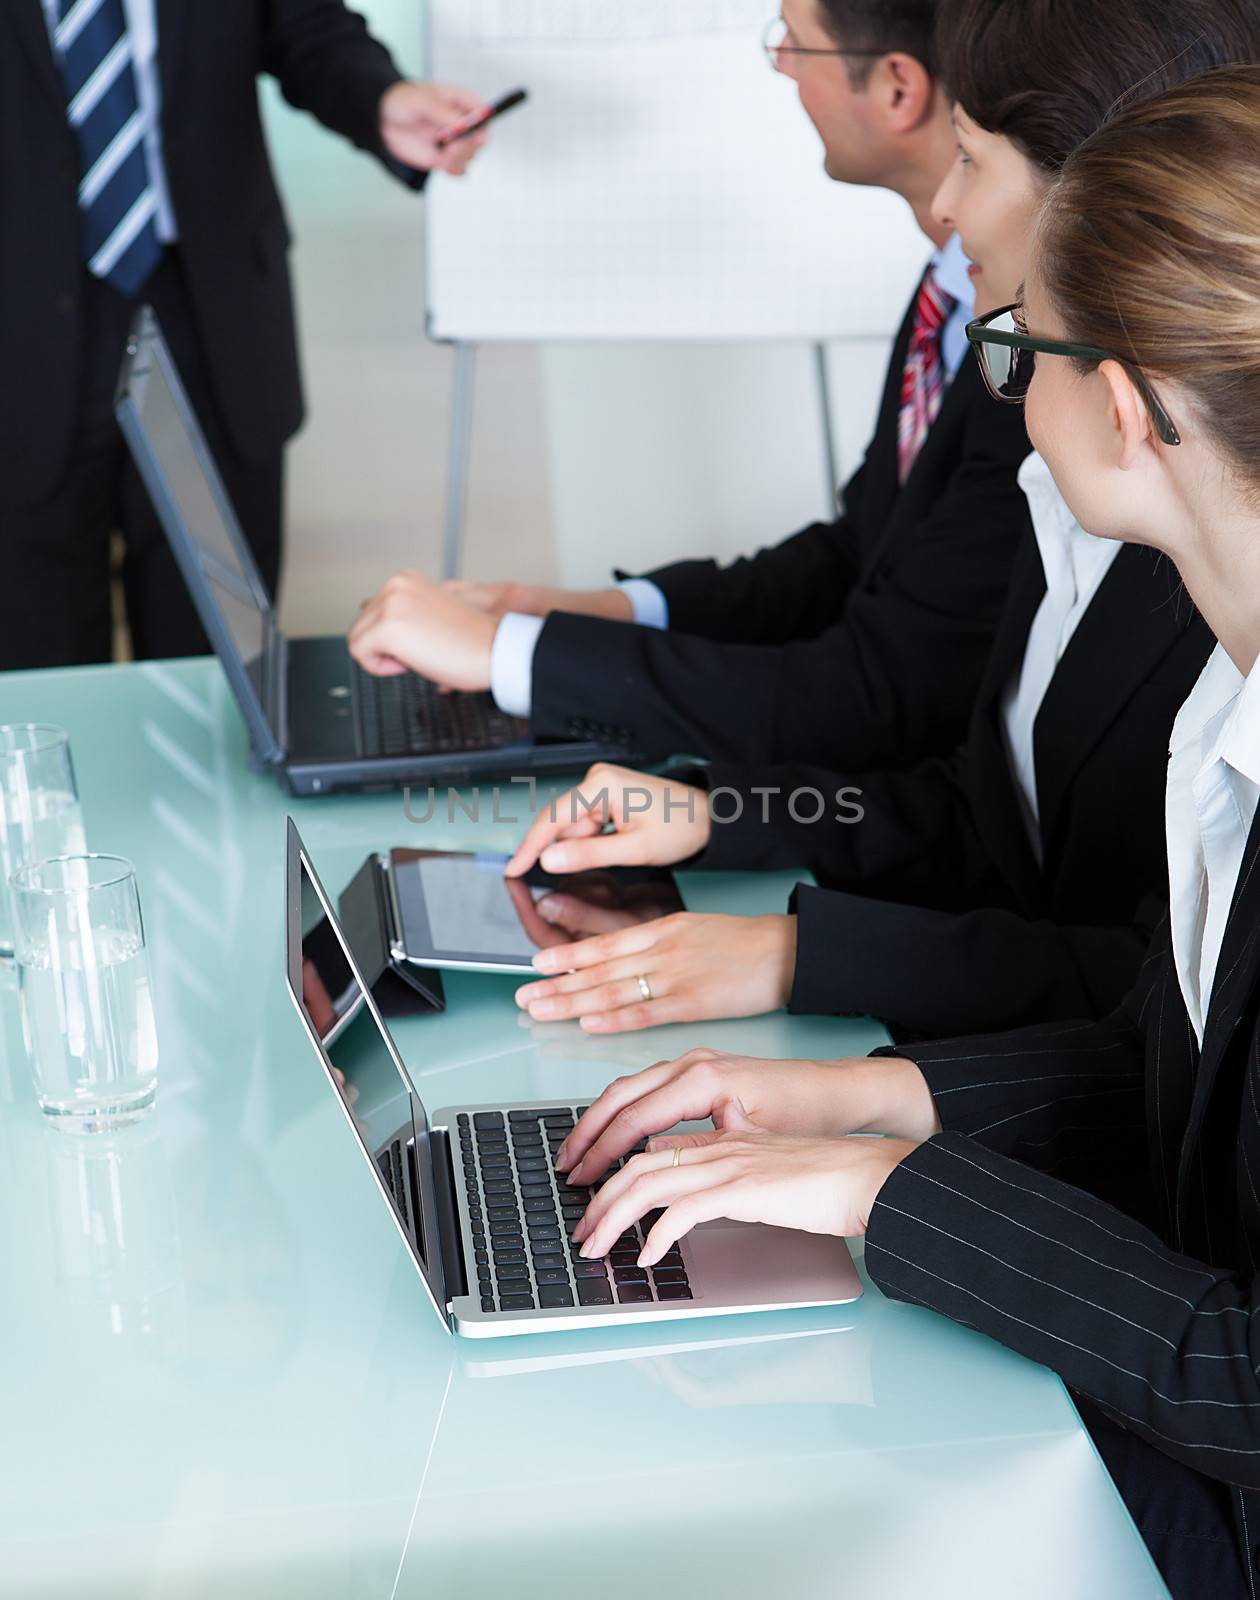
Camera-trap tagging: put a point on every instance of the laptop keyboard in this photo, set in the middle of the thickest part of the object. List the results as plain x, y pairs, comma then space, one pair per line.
523, 1214
408, 715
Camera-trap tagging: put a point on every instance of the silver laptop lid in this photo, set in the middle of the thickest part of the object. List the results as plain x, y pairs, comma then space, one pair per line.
192, 505
363, 1066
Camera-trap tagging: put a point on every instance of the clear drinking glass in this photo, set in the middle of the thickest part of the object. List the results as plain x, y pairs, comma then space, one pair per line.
87, 1004
39, 807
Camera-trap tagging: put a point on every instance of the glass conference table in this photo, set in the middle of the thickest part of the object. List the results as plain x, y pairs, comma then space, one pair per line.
221, 1375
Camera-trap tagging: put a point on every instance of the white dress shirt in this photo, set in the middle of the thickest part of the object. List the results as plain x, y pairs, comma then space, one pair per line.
1213, 787
512, 657
141, 18
1075, 564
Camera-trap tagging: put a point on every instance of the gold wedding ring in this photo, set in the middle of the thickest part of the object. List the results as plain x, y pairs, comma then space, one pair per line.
645, 988
677, 1155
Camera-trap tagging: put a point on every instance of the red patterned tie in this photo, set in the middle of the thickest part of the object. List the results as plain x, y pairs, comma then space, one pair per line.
923, 383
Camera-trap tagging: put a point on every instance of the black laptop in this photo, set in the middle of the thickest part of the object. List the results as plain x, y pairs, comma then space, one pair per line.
315, 718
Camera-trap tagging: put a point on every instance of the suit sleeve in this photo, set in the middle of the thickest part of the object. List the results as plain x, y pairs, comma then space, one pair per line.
908, 835
792, 590
1168, 1344
898, 673
926, 971
326, 62
911, 922
1065, 1097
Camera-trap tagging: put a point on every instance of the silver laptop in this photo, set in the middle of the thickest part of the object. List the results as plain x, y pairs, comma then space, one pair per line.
315, 718
474, 1192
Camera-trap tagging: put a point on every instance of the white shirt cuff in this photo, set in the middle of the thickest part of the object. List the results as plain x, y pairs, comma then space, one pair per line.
651, 608
512, 663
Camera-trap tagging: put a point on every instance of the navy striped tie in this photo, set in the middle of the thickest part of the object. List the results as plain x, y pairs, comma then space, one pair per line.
117, 200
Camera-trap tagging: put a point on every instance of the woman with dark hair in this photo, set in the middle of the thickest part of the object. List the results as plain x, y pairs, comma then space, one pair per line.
1136, 343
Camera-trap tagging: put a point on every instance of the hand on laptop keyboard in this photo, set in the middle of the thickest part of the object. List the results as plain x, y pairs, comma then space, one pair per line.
414, 623
864, 1095
825, 1186
522, 1214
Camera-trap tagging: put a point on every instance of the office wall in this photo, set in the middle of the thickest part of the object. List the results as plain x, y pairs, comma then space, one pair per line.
582, 456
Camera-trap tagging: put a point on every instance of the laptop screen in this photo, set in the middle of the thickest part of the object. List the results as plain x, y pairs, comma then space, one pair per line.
173, 459
361, 1061
225, 565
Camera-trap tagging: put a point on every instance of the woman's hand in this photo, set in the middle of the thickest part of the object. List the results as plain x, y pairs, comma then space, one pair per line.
866, 1094
654, 823
697, 968
747, 1174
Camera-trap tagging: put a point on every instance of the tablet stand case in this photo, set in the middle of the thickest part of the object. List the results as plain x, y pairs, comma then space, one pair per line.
366, 907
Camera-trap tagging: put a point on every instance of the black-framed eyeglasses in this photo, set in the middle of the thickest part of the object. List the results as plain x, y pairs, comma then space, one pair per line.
1008, 353
776, 41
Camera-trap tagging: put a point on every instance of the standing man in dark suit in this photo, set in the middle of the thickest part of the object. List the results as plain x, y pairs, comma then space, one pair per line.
855, 642
134, 168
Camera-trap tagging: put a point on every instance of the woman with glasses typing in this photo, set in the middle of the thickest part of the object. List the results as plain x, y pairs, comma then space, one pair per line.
1136, 345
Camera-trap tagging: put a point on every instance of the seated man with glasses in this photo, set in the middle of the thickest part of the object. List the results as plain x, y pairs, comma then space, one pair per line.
859, 642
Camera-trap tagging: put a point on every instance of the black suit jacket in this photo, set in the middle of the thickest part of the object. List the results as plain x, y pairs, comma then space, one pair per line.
856, 642
232, 232
1152, 1310
937, 914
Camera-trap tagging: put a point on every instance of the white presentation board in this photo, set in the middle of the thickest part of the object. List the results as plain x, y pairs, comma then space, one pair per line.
662, 183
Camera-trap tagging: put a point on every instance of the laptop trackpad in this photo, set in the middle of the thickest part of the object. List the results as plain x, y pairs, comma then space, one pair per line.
748, 1263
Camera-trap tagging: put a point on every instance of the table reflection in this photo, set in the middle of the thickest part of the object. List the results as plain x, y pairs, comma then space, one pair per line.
115, 1235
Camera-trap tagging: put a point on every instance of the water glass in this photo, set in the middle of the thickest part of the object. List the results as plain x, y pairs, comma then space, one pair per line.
87, 1003
39, 807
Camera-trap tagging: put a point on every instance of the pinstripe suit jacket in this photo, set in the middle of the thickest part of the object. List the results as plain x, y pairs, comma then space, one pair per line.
1152, 1309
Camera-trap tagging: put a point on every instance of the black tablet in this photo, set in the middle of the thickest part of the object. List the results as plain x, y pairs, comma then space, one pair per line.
456, 909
